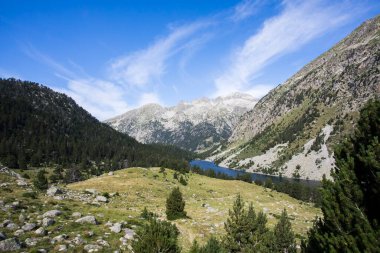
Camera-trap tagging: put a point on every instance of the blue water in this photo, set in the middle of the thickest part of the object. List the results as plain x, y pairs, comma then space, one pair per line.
206, 165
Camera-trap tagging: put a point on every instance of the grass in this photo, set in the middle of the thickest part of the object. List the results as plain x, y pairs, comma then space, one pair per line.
207, 201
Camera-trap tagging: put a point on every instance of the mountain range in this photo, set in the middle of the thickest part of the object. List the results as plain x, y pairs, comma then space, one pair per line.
196, 126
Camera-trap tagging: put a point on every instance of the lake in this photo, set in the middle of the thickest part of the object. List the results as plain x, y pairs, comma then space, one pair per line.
206, 165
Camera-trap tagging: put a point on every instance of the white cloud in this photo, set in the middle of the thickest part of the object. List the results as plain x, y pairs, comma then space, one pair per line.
101, 98
244, 9
149, 98
146, 66
297, 24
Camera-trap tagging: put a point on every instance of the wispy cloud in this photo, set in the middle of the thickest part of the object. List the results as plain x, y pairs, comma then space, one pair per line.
149, 98
101, 98
245, 9
38, 56
297, 24
146, 66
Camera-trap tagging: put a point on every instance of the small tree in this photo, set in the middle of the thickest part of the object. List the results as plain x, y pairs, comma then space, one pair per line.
175, 205
41, 181
156, 236
284, 235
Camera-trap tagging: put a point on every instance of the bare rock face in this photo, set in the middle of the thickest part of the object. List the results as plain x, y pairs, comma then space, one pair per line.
195, 126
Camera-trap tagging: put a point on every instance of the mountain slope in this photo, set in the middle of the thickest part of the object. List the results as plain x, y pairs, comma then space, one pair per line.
38, 125
292, 124
194, 126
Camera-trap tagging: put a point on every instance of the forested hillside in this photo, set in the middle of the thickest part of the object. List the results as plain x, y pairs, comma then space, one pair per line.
39, 126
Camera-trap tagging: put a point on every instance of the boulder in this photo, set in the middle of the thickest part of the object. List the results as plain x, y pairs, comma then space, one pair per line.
40, 231
29, 227
12, 226
62, 248
32, 241
87, 219
52, 213
110, 173
10, 244
21, 182
129, 234
92, 191
116, 228
19, 232
92, 248
21, 218
101, 199
53, 190
58, 238
2, 236
102, 242
47, 222
76, 215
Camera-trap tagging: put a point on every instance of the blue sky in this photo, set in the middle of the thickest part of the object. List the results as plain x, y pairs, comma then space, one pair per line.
112, 56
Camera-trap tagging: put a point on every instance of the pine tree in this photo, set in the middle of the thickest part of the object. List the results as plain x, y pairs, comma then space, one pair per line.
41, 181
284, 235
175, 205
246, 231
350, 220
156, 236
212, 246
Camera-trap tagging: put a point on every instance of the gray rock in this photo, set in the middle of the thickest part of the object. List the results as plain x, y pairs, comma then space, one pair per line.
12, 226
92, 248
116, 228
40, 231
129, 234
5, 223
46, 222
19, 232
92, 191
10, 244
76, 215
53, 190
102, 242
58, 238
78, 240
21, 218
87, 219
2, 236
21, 182
29, 227
42, 251
52, 213
110, 173
15, 204
32, 241
62, 248
101, 199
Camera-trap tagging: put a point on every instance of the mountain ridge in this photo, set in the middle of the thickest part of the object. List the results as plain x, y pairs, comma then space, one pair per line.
293, 118
195, 125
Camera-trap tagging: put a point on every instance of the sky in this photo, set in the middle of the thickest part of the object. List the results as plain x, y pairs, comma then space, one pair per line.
112, 56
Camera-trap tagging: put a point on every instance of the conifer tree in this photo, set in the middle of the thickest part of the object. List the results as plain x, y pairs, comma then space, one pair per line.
175, 205
350, 220
156, 236
246, 231
284, 235
41, 181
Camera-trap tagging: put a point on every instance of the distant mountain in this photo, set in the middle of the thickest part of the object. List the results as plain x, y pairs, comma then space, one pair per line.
196, 126
40, 126
291, 131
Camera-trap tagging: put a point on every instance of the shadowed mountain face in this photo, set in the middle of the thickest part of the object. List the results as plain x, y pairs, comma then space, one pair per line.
292, 124
195, 126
